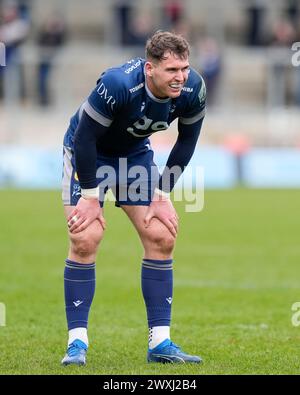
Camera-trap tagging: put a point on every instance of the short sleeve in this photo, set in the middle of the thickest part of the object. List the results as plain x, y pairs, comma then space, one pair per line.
195, 108
106, 99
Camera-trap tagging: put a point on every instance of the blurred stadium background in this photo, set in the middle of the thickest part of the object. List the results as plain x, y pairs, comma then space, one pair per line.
56, 50
237, 262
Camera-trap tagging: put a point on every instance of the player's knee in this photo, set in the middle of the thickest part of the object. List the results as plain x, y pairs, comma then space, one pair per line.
85, 243
163, 241
83, 246
167, 243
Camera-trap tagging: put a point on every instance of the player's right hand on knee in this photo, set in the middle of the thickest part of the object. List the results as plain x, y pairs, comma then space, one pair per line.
163, 210
85, 212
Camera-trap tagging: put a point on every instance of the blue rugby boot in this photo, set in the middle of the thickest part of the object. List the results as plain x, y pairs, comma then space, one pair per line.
169, 352
76, 353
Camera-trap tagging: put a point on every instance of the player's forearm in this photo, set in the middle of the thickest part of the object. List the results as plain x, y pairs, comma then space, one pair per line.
85, 159
86, 153
180, 156
178, 159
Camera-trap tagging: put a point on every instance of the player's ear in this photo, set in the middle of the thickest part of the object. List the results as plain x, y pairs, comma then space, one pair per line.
149, 69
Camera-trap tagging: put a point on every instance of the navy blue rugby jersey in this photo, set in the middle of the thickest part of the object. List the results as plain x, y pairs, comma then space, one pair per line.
122, 102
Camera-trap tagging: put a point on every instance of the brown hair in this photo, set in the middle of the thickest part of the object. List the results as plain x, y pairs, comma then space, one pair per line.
162, 42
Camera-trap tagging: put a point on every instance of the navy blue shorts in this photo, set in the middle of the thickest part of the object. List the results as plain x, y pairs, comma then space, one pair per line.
132, 180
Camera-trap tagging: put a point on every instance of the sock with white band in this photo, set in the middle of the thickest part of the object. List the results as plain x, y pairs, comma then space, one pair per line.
79, 281
157, 287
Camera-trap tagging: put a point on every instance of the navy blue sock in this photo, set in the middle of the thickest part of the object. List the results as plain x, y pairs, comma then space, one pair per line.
157, 287
80, 283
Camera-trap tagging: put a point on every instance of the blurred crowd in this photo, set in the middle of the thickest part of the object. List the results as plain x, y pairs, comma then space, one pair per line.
15, 29
134, 27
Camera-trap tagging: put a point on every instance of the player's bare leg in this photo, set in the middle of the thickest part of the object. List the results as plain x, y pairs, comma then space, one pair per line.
84, 245
79, 283
157, 285
157, 240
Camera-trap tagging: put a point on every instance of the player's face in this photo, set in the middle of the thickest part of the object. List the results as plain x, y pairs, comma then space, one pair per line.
167, 77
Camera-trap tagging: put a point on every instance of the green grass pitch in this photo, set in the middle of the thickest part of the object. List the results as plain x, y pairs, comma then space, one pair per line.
236, 276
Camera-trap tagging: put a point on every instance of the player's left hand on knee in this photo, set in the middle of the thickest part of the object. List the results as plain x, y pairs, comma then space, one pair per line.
85, 212
165, 212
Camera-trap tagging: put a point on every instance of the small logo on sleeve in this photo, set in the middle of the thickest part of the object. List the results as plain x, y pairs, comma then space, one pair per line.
103, 93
